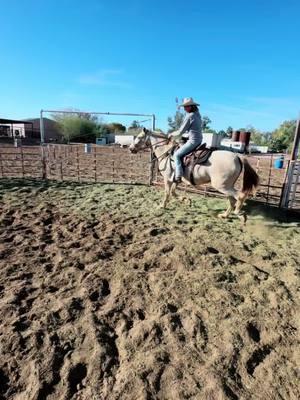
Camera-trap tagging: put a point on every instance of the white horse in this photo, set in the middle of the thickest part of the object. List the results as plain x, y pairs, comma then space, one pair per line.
221, 170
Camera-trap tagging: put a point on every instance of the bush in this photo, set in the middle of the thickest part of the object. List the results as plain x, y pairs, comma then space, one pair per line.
77, 129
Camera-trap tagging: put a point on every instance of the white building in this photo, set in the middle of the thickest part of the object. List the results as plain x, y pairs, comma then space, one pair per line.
11, 128
124, 140
235, 146
240, 147
211, 139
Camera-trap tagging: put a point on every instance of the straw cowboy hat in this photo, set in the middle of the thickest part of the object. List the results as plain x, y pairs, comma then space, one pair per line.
188, 101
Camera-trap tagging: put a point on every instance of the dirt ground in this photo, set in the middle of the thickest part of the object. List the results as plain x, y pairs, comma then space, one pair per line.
105, 296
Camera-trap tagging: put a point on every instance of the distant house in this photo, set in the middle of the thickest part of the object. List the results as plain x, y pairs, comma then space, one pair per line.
11, 128
29, 130
52, 132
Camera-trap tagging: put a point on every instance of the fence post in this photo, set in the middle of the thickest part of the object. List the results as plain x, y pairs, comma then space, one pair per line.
44, 166
295, 184
285, 196
1, 166
22, 161
95, 162
77, 159
151, 171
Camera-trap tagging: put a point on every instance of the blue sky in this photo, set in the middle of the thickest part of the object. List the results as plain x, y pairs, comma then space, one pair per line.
239, 59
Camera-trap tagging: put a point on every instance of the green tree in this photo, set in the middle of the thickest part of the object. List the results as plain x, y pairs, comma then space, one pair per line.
205, 123
103, 130
229, 131
77, 128
176, 121
135, 125
116, 127
282, 138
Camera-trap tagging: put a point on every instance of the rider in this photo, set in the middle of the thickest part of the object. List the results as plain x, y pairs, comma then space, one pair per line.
193, 126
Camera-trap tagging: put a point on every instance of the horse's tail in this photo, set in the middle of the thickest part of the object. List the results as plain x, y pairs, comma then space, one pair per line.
250, 179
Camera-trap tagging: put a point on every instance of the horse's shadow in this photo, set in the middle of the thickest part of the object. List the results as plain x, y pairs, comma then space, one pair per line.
276, 215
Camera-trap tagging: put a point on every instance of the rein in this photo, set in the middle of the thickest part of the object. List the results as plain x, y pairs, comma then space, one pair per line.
162, 156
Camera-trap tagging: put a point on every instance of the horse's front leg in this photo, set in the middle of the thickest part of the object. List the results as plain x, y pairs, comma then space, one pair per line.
183, 199
168, 187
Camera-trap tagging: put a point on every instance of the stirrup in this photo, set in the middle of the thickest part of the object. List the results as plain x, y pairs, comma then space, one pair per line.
177, 180
172, 179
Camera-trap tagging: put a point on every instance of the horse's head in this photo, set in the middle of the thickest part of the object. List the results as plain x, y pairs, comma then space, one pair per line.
141, 141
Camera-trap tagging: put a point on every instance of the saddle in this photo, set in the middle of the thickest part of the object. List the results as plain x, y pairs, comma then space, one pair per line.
198, 156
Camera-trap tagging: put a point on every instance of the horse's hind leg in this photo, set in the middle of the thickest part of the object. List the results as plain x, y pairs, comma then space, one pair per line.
239, 204
231, 205
232, 195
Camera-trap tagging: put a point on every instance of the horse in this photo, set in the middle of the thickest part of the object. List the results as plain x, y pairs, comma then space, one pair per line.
221, 170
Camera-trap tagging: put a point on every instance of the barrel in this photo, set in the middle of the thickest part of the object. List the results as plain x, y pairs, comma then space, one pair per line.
245, 138
235, 136
278, 163
88, 148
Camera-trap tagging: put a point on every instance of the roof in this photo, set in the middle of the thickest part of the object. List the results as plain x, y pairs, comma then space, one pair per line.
13, 121
38, 119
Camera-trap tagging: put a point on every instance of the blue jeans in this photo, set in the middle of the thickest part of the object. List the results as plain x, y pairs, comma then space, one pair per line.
187, 148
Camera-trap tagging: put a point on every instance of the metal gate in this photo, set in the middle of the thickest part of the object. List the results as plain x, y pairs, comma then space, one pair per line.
291, 190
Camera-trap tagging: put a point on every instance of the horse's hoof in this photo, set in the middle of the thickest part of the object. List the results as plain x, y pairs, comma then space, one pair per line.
222, 215
243, 218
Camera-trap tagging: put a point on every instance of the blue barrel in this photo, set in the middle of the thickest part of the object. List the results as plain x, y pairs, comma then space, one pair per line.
88, 148
278, 163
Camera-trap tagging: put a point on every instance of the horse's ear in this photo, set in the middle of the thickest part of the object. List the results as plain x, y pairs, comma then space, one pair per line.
145, 130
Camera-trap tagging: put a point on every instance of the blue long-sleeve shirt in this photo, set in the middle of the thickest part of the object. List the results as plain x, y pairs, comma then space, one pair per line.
191, 124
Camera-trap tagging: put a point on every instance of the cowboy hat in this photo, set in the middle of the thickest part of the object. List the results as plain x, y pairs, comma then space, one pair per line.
188, 101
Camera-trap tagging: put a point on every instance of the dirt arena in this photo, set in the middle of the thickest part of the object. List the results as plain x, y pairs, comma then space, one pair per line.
106, 296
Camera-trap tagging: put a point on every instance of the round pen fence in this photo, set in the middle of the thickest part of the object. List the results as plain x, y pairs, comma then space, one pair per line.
113, 164
72, 163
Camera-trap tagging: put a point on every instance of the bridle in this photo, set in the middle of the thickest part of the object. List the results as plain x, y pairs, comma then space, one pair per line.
159, 144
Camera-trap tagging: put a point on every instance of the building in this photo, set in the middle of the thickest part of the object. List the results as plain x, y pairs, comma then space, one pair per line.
29, 131
52, 133
211, 139
11, 128
124, 140
242, 147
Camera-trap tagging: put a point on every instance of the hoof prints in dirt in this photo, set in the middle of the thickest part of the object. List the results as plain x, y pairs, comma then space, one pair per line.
157, 231
55, 368
75, 308
103, 290
257, 357
107, 337
4, 384
253, 332
212, 250
201, 334
75, 378
229, 392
